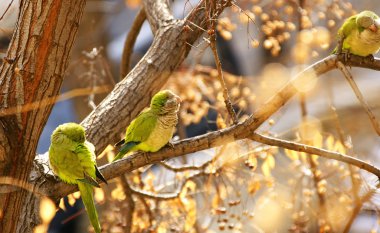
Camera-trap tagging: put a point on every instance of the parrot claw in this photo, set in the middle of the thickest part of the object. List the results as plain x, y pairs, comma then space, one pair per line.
345, 56
170, 144
371, 58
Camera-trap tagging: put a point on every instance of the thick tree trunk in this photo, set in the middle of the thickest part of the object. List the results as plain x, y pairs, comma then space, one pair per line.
34, 69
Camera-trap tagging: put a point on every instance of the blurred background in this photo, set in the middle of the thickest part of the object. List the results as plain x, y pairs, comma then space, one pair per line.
262, 45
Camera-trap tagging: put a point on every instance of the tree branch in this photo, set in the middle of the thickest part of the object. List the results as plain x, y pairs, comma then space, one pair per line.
131, 204
221, 137
359, 95
158, 14
316, 151
125, 64
169, 48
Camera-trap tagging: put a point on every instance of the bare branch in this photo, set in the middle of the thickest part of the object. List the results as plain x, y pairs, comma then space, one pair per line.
131, 204
158, 14
183, 168
366, 197
217, 138
169, 196
359, 95
125, 64
211, 7
316, 151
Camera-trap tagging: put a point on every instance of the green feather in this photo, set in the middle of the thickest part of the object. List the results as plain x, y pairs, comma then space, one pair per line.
88, 201
357, 37
153, 127
73, 160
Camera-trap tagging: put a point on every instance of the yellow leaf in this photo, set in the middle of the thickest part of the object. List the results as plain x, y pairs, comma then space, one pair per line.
161, 229
71, 199
47, 210
76, 195
191, 216
62, 204
118, 193
330, 142
318, 140
40, 228
338, 147
108, 149
271, 161
220, 123
254, 187
99, 195
265, 168
215, 202
293, 155
315, 159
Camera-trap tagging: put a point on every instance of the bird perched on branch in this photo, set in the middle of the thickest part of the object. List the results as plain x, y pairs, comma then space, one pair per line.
153, 127
73, 160
360, 34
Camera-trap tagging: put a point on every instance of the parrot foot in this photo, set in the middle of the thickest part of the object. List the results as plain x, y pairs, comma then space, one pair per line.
345, 57
146, 157
371, 58
170, 144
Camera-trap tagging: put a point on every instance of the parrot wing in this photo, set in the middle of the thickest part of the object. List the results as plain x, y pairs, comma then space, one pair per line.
86, 156
348, 27
91, 148
141, 127
138, 131
345, 30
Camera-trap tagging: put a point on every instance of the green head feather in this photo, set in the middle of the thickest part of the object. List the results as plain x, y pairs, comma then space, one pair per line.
71, 131
365, 19
165, 101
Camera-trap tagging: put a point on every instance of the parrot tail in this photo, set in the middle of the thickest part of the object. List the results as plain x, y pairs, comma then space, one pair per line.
119, 143
124, 149
88, 201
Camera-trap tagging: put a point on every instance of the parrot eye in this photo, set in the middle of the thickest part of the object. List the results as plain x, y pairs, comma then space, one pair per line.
365, 22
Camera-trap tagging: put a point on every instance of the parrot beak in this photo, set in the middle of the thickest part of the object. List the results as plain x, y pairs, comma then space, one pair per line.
373, 27
178, 99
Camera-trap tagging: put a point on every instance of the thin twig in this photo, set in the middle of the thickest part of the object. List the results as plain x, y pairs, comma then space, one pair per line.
125, 64
212, 41
359, 95
316, 151
52, 100
148, 210
353, 173
131, 204
358, 207
6, 10
182, 168
168, 196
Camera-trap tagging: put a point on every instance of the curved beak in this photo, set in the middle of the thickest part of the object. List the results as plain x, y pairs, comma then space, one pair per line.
373, 28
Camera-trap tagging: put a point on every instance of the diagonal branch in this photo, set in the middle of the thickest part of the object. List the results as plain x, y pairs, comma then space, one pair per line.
316, 151
125, 64
158, 14
360, 96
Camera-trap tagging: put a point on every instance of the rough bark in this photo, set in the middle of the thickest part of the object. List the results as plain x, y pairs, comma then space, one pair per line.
34, 68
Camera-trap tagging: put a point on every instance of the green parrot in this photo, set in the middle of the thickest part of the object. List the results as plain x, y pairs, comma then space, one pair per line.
73, 160
360, 34
153, 127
